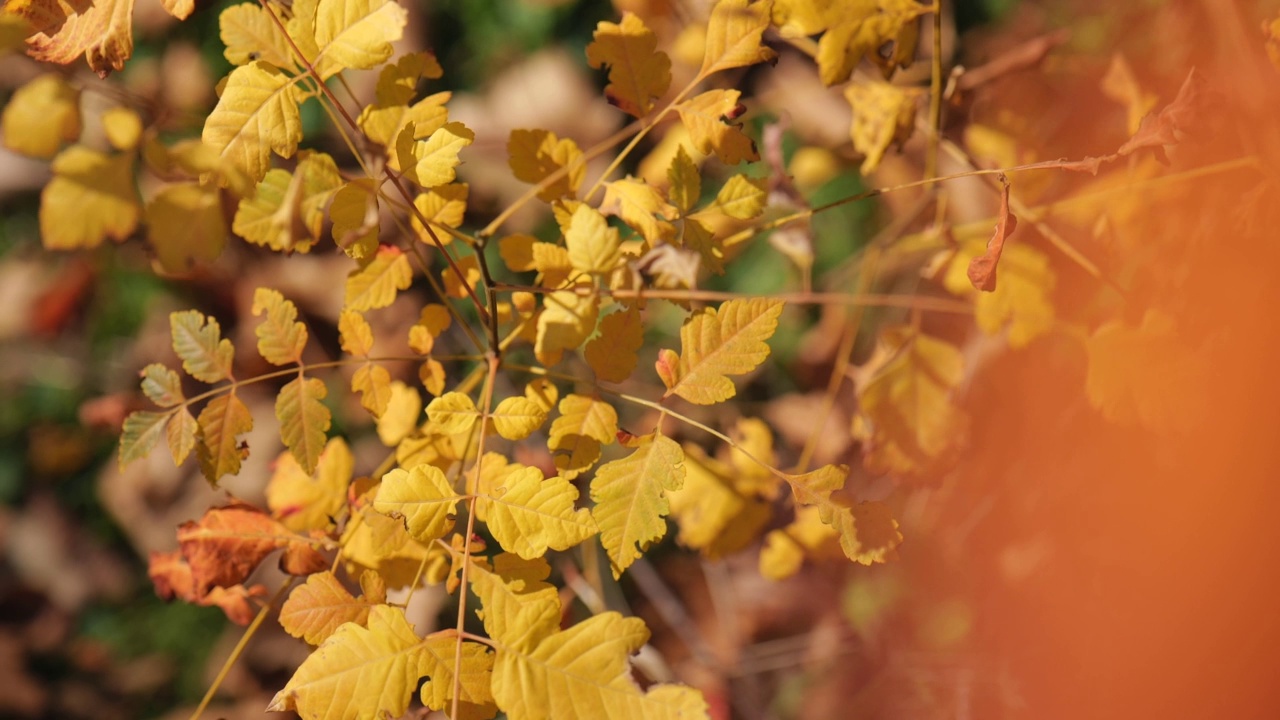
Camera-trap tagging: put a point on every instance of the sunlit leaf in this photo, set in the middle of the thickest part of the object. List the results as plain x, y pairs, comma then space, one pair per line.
304, 419
249, 33
228, 543
40, 116
639, 204
318, 607
375, 285
281, 337
638, 72
734, 34
585, 424
422, 496
536, 154
529, 514
358, 33
257, 113
516, 417
613, 355
883, 115
91, 197
434, 161
630, 499
592, 244
705, 117
716, 344
566, 321
401, 415
304, 501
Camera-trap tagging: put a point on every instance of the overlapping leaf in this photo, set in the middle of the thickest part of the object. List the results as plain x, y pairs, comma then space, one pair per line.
718, 344
422, 496
318, 607
91, 197
257, 113
375, 285
529, 514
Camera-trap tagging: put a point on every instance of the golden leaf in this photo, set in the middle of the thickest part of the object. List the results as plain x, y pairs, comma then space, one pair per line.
630, 499
715, 514
358, 33
542, 392
40, 116
123, 128
91, 197
354, 334
592, 244
422, 496
286, 212
257, 113
567, 319
318, 607
883, 114
638, 72
575, 438
1021, 303
358, 672
373, 382
442, 206
454, 413
304, 419
613, 354
517, 252
249, 33
639, 204
181, 434
734, 34
907, 402
865, 28
516, 417
185, 225
685, 181
401, 415
375, 285
536, 154
475, 702
455, 286
741, 198
433, 161
528, 514
354, 212
519, 607
222, 422
281, 337
717, 344
704, 117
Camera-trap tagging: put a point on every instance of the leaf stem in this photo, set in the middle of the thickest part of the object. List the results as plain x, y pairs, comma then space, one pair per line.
935, 95
934, 304
239, 649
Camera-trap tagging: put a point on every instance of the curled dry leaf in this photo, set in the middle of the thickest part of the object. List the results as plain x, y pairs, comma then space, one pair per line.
982, 269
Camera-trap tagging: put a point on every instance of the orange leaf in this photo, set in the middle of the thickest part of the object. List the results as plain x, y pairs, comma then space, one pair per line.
982, 269
229, 542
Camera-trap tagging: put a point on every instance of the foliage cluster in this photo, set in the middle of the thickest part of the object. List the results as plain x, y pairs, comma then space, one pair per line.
556, 326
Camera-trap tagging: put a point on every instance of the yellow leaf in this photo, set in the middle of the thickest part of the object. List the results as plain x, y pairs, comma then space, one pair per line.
383, 123
196, 160
40, 116
734, 35
714, 514
431, 374
422, 496
281, 337
304, 419
123, 128
286, 212
1150, 374
519, 607
433, 161
375, 542
536, 154
685, 181
398, 81
90, 198
181, 433
785, 549
638, 72
358, 33
741, 197
567, 319
804, 18
318, 607
222, 422
883, 115
185, 225
454, 413
161, 385
304, 501
710, 249
516, 417
517, 252
1021, 301
630, 499
257, 113
868, 532
552, 262
373, 382
354, 334
442, 206
375, 285
198, 341
613, 354
249, 33
907, 402
638, 204
865, 28
575, 438
455, 286
101, 31
475, 701
592, 244
716, 345
583, 674
542, 392
354, 212
358, 672
141, 433
704, 117
529, 514
401, 415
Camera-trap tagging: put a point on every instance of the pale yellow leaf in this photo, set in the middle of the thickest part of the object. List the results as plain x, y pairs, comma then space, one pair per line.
592, 244
304, 501
883, 115
715, 515
575, 438
454, 413
401, 415
422, 496
443, 206
249, 33
354, 334
354, 212
542, 392
475, 701
122, 127
567, 319
520, 608
161, 385
741, 197
358, 33
434, 161
640, 204
186, 225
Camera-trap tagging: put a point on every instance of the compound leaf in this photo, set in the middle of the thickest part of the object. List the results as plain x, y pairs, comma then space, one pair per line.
198, 341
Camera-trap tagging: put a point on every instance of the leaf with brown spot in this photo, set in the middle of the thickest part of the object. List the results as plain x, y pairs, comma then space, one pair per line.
982, 269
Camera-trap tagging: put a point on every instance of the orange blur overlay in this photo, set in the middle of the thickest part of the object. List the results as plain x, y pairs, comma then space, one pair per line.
1132, 569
